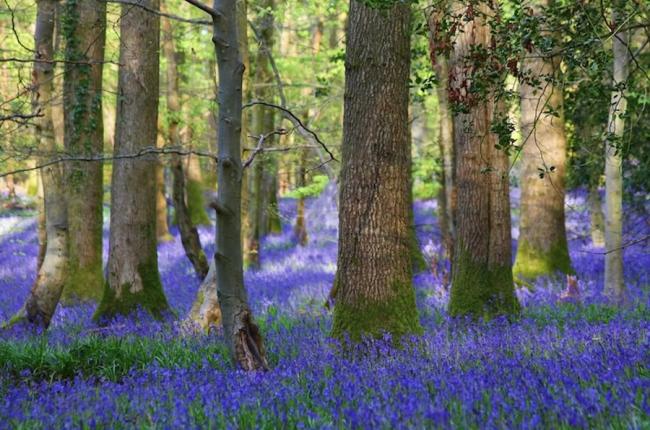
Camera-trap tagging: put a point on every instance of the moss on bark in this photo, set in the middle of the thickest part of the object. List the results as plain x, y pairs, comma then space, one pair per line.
83, 284
150, 298
481, 291
534, 262
397, 316
196, 203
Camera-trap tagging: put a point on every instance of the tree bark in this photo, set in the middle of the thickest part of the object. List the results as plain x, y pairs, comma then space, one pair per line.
133, 278
614, 278
243, 336
482, 282
52, 273
542, 247
206, 311
374, 291
597, 217
84, 31
162, 226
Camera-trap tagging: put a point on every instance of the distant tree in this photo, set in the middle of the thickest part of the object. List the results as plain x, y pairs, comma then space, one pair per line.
482, 282
373, 287
84, 31
52, 273
614, 280
132, 276
189, 234
542, 248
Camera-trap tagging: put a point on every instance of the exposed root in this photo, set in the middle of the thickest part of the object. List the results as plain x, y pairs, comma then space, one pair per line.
249, 349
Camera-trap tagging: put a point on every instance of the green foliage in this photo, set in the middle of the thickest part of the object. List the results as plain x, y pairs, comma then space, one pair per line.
318, 184
481, 291
397, 316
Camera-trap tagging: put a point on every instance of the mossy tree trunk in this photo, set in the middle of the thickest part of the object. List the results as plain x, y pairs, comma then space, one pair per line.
84, 31
133, 279
189, 234
542, 247
162, 226
52, 273
242, 334
482, 282
195, 190
374, 291
614, 279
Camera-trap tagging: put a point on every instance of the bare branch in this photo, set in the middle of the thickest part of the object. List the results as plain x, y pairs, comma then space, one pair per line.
207, 9
260, 145
163, 14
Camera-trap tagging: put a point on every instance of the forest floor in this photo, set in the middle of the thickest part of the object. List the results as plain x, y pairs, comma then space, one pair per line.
558, 365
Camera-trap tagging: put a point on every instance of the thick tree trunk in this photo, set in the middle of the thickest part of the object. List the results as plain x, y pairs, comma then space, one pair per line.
614, 279
542, 246
374, 291
242, 334
597, 217
189, 234
84, 28
482, 282
46, 291
133, 278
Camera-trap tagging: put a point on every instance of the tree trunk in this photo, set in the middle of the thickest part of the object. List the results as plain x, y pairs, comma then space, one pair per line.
374, 291
597, 217
614, 280
189, 234
440, 65
242, 28
46, 291
133, 278
195, 198
162, 226
482, 282
243, 336
300, 228
84, 29
206, 311
263, 122
542, 247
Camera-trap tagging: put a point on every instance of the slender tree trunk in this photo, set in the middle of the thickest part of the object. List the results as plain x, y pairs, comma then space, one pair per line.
482, 282
263, 122
542, 247
614, 279
84, 29
189, 234
195, 189
597, 217
46, 291
374, 291
243, 336
42, 227
300, 228
242, 28
133, 278
162, 227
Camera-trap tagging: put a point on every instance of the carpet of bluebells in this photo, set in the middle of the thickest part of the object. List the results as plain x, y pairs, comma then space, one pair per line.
558, 365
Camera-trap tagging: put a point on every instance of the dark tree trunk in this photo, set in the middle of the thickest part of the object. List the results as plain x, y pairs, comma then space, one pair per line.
46, 291
374, 291
542, 246
243, 336
482, 283
84, 29
133, 278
